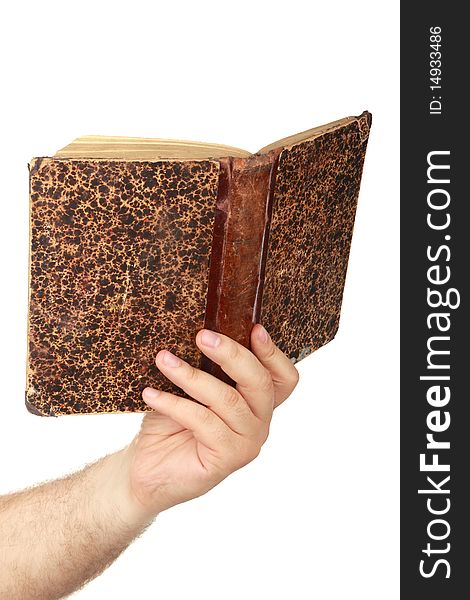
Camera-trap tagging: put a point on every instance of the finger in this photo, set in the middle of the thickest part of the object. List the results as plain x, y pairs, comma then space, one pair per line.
206, 426
283, 372
224, 400
253, 380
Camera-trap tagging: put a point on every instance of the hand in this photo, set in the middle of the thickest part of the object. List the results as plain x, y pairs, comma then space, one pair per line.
184, 448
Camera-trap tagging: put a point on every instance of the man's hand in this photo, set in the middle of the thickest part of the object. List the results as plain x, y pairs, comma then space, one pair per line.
185, 448
59, 535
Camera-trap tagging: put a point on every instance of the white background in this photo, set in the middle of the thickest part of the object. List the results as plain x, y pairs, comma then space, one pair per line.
316, 515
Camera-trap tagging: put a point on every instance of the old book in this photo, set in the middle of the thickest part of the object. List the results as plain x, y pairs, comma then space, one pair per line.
136, 244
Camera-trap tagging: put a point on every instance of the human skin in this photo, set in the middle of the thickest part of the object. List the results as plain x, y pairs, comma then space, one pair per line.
57, 536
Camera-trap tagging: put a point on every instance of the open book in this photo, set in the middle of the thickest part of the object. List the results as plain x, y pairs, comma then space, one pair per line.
136, 244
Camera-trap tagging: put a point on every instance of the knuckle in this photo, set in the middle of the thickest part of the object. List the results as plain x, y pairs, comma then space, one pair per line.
172, 399
266, 382
246, 452
192, 374
204, 414
294, 377
222, 435
271, 352
263, 435
233, 351
252, 450
230, 397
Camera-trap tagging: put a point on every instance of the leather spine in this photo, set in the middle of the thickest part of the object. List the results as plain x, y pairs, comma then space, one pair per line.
238, 254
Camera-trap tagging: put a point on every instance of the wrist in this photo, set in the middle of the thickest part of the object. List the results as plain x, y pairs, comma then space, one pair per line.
116, 492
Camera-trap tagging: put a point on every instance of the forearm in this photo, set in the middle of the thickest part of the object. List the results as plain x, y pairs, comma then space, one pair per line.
57, 536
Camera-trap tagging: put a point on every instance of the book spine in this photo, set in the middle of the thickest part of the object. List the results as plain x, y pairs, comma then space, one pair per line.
238, 255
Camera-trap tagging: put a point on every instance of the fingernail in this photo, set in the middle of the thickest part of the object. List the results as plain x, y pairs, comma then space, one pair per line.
210, 339
170, 360
263, 335
151, 394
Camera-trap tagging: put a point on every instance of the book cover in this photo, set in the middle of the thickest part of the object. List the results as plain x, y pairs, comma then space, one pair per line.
135, 248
